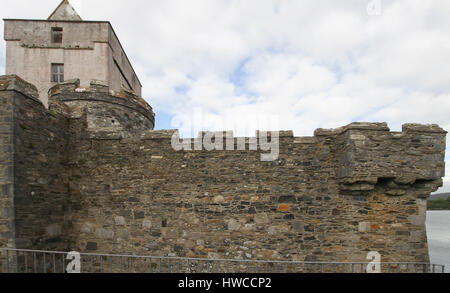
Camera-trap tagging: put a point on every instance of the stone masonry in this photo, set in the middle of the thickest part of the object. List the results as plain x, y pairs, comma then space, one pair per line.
90, 175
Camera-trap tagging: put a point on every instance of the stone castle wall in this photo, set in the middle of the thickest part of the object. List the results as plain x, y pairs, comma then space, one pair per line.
331, 197
35, 179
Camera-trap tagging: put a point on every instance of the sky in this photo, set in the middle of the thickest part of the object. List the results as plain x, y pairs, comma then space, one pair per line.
295, 65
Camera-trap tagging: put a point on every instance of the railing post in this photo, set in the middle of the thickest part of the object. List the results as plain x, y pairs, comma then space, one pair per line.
7, 261
35, 262
54, 263
26, 263
63, 256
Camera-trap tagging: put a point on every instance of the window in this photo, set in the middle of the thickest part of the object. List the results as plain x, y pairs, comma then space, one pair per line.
57, 35
57, 72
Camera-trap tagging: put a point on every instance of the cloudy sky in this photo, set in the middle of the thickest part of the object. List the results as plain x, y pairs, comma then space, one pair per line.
287, 64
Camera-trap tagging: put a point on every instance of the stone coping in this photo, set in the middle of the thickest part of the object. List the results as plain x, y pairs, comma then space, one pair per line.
368, 126
167, 134
15, 83
99, 91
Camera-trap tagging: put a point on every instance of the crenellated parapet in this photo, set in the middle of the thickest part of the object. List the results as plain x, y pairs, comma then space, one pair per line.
369, 155
106, 110
366, 157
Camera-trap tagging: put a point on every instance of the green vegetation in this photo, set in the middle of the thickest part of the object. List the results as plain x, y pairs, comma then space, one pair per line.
439, 205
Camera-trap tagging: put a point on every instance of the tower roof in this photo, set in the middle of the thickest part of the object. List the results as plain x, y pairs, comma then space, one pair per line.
64, 11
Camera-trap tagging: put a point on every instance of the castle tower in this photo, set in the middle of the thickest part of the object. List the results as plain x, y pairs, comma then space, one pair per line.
64, 47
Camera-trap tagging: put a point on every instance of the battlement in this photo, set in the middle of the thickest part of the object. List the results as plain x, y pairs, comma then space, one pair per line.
106, 110
64, 92
365, 153
369, 154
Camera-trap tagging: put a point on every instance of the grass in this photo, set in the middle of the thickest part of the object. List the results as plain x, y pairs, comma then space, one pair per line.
439, 205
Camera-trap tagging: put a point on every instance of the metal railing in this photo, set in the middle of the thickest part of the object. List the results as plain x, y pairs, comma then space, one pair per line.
38, 261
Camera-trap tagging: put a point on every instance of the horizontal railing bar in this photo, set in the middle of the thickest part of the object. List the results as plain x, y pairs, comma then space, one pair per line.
206, 260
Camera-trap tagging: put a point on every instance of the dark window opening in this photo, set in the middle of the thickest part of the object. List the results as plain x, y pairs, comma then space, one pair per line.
57, 35
57, 72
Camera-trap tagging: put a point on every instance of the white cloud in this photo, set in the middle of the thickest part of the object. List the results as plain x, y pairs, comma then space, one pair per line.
287, 76
312, 63
409, 46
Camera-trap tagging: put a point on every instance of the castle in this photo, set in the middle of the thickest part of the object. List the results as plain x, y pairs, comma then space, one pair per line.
90, 174
64, 47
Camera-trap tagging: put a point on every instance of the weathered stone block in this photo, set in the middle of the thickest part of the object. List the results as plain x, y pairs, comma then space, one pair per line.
261, 219
364, 227
54, 230
104, 233
234, 225
120, 221
147, 224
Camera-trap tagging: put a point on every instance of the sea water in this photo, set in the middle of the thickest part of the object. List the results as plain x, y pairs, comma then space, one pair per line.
438, 232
